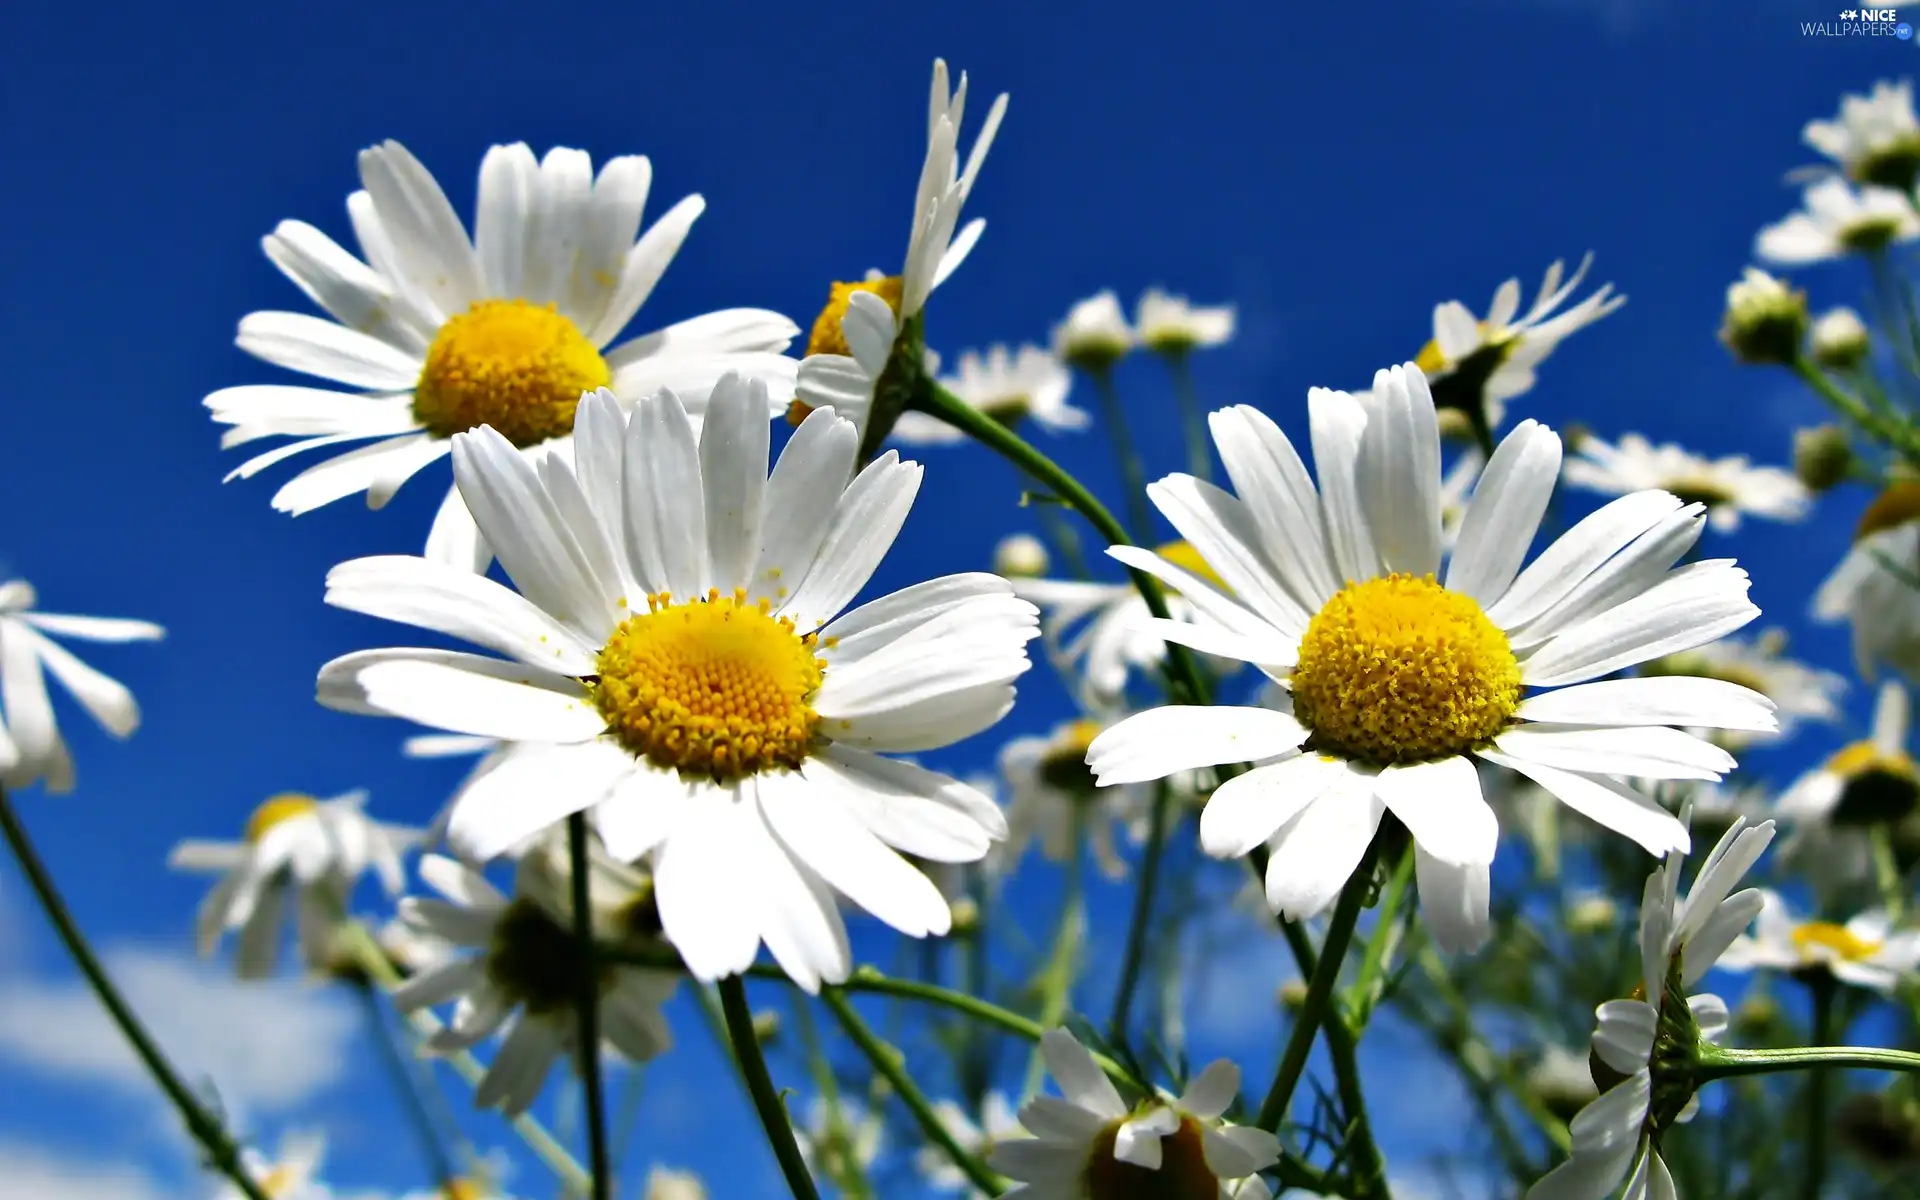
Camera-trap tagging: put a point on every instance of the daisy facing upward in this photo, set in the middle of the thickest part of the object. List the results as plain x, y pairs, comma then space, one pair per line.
1398, 678
436, 333
678, 640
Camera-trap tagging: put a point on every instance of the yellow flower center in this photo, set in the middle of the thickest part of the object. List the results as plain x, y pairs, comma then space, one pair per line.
1893, 507
826, 337
715, 687
1710, 492
462, 1189
1876, 787
1184, 556
517, 366
1183, 1174
1399, 669
1065, 764
1862, 758
275, 809
1834, 939
1434, 361
281, 1181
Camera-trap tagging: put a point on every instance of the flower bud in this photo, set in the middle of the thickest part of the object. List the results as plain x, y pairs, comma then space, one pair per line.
766, 1027
1840, 339
1822, 457
1020, 556
1592, 913
1293, 995
1765, 320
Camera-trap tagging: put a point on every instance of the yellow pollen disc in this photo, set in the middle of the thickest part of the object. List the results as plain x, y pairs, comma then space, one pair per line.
1710, 492
1064, 765
462, 1189
1184, 556
1858, 759
1399, 669
1896, 506
1431, 360
275, 809
715, 687
1183, 1174
1834, 938
277, 1181
826, 337
516, 366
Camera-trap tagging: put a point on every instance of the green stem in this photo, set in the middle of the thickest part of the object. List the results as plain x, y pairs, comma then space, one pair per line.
1895, 434
223, 1153
1056, 977
1185, 685
766, 1101
626, 1117
1133, 476
887, 1061
588, 1004
843, 1171
1369, 1166
1822, 987
1193, 419
1886, 869
1314, 1009
976, 1065
1713, 1062
1368, 987
1142, 914
407, 1084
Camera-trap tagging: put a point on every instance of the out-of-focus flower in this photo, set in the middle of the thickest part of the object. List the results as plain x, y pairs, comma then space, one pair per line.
1839, 220
1876, 587
31, 748
664, 1183
1403, 668
1840, 339
289, 1175
1765, 320
1865, 951
1095, 334
998, 1123
436, 333
1167, 324
1007, 387
1730, 487
1822, 457
1875, 139
1475, 365
300, 848
1053, 798
1867, 783
1799, 691
840, 1141
1021, 556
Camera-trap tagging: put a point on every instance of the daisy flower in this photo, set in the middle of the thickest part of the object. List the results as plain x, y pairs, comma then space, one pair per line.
290, 1176
295, 847
1095, 334
855, 336
1729, 487
1875, 139
840, 1140
526, 970
1765, 320
1839, 220
1054, 797
1008, 388
664, 1183
436, 333
1865, 951
460, 1189
1113, 641
1615, 1136
1403, 675
1167, 324
31, 748
1089, 1144
1799, 691
1867, 782
1876, 587
998, 1123
678, 644
1476, 365
1563, 1080
1841, 339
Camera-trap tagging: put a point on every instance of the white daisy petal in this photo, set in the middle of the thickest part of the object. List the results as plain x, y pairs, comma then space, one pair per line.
1508, 501
1661, 700
1440, 804
1248, 809
1157, 743
1454, 902
1315, 854
1654, 752
1606, 802
485, 701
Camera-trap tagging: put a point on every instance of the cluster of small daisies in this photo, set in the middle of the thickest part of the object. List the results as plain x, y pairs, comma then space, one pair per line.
678, 684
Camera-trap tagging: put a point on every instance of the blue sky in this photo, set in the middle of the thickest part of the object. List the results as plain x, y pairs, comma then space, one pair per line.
1333, 170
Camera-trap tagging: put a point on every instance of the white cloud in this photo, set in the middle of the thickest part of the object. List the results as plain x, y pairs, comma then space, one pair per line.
33, 1174
265, 1046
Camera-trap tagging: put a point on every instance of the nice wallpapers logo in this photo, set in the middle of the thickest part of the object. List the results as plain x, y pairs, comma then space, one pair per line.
1860, 22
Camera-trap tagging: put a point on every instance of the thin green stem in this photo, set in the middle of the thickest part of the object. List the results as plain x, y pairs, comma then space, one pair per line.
1056, 976
1369, 1166
1185, 685
1133, 476
1895, 434
223, 1153
1822, 987
626, 1114
1714, 1062
1193, 418
976, 1064
766, 1101
407, 1084
888, 1062
1314, 1009
1370, 984
843, 1171
588, 1005
1142, 914
1886, 871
